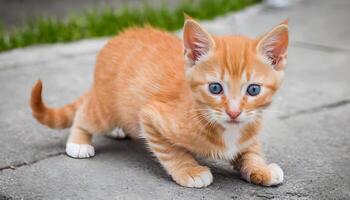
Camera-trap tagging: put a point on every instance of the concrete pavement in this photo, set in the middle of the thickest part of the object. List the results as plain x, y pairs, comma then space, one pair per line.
306, 130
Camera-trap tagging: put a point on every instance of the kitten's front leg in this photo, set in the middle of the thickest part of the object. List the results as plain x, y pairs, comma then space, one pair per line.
253, 168
178, 162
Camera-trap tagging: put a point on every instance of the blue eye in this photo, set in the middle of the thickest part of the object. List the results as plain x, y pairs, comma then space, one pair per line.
215, 88
253, 89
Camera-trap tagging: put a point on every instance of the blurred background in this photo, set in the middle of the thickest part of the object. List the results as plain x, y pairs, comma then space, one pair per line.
30, 10
28, 22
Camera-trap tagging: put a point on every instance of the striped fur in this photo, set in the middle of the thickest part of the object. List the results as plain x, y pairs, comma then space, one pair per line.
56, 118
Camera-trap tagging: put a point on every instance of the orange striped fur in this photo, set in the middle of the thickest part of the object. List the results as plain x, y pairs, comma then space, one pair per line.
156, 87
52, 117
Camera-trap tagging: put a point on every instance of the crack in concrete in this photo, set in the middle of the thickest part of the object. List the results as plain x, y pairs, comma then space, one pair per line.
265, 196
316, 109
268, 195
4, 197
21, 164
296, 194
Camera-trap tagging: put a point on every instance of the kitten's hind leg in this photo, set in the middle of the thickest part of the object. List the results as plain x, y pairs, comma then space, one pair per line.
79, 143
92, 117
117, 133
84, 125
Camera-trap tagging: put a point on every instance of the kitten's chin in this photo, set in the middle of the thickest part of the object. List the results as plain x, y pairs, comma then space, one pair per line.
233, 121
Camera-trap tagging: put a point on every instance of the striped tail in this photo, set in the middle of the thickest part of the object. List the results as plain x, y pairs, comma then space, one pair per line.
56, 118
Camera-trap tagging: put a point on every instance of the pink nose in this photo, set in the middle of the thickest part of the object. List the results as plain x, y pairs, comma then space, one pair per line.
233, 114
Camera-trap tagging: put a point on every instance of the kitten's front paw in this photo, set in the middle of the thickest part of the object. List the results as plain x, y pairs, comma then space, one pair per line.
270, 175
80, 150
196, 177
276, 174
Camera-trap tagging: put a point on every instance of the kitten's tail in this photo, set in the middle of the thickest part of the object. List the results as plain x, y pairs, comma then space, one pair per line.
56, 118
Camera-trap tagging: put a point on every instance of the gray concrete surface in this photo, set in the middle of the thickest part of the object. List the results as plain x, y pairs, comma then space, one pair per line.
307, 130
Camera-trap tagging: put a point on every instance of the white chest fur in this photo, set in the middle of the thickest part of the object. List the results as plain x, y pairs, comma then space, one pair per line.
230, 137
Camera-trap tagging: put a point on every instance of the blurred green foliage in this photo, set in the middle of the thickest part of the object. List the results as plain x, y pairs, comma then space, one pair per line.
110, 22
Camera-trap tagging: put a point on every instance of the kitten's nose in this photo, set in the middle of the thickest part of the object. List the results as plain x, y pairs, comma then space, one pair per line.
233, 114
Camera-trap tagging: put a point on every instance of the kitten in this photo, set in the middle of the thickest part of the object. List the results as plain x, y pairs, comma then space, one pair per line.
200, 96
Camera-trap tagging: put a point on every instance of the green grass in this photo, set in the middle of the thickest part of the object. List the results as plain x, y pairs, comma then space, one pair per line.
110, 22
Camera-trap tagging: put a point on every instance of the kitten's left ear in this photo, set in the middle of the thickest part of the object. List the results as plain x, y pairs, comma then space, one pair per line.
197, 41
273, 46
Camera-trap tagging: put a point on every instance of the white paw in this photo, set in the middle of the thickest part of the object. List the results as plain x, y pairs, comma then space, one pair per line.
276, 174
80, 150
117, 133
202, 180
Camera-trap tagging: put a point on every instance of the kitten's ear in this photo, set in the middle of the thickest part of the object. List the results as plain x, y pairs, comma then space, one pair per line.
272, 47
197, 41
187, 17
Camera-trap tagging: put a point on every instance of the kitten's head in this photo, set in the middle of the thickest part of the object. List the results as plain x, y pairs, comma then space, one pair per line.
233, 78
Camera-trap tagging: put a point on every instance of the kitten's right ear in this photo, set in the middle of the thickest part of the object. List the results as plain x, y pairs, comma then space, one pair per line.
197, 41
273, 46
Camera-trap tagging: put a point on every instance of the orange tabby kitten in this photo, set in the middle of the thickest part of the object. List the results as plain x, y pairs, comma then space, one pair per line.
200, 96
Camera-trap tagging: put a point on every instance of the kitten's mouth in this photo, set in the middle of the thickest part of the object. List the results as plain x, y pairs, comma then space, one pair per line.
233, 121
